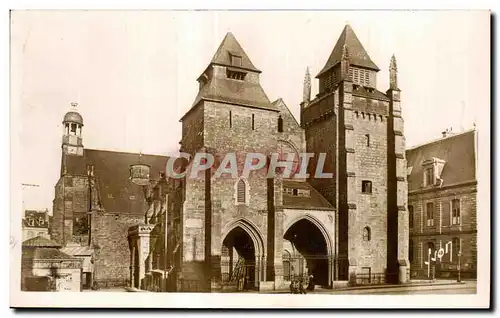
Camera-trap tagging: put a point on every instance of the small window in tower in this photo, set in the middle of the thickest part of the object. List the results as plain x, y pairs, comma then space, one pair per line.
230, 119
367, 234
253, 121
235, 60
73, 128
280, 124
367, 137
295, 192
366, 186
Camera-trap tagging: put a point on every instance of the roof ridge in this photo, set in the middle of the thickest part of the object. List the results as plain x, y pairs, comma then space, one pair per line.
441, 139
125, 152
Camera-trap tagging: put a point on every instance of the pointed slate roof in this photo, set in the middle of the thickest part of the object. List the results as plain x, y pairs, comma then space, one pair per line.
357, 53
228, 47
225, 90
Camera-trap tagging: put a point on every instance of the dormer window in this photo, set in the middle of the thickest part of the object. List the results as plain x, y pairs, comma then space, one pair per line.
236, 75
428, 176
432, 172
235, 60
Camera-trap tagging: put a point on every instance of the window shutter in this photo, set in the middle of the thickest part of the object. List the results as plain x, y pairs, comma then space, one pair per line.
445, 213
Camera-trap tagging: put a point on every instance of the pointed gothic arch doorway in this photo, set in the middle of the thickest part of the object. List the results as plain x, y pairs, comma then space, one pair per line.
310, 254
239, 268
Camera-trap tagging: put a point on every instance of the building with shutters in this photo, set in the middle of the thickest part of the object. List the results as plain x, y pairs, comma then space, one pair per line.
442, 189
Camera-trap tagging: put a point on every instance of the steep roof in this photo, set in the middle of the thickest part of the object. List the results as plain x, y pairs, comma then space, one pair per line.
226, 90
458, 152
230, 46
356, 52
314, 202
111, 169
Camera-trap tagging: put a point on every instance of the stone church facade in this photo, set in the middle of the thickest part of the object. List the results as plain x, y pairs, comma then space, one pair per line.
213, 233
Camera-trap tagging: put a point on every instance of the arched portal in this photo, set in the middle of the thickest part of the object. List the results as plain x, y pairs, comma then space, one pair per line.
309, 252
238, 260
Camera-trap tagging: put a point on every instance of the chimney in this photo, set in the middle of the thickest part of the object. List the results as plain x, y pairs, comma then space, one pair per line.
448, 132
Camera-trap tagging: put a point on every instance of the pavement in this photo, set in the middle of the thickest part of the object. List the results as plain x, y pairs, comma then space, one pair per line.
412, 288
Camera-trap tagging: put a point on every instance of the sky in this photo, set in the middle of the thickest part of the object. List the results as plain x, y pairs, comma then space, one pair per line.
133, 73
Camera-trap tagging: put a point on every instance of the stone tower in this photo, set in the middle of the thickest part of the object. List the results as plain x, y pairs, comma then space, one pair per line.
230, 218
72, 133
361, 130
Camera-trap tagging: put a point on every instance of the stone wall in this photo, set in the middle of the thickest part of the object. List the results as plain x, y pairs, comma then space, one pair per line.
370, 162
111, 247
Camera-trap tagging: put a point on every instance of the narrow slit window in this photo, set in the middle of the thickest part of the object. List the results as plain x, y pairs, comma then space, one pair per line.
230, 119
367, 235
253, 121
366, 186
280, 124
367, 136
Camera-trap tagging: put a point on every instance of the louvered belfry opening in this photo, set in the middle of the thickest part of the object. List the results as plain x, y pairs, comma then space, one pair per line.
241, 189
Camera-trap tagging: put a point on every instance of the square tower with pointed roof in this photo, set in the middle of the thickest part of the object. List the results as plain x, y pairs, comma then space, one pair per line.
231, 114
361, 130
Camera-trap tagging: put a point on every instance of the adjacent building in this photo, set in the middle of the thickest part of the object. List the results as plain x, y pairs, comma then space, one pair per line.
36, 223
95, 203
442, 186
45, 268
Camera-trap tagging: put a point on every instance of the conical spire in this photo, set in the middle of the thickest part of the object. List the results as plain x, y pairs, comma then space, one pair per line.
307, 87
393, 73
231, 48
356, 52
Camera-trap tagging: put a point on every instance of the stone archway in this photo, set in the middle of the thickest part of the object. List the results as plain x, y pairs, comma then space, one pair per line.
311, 251
241, 256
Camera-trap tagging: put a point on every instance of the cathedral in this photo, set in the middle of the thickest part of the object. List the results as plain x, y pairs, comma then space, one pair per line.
253, 232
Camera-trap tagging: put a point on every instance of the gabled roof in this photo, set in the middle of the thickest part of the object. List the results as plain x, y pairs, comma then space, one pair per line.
314, 202
283, 109
230, 46
458, 152
356, 52
40, 241
111, 169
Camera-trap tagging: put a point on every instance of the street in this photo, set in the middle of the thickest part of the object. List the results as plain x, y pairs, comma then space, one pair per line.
468, 288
